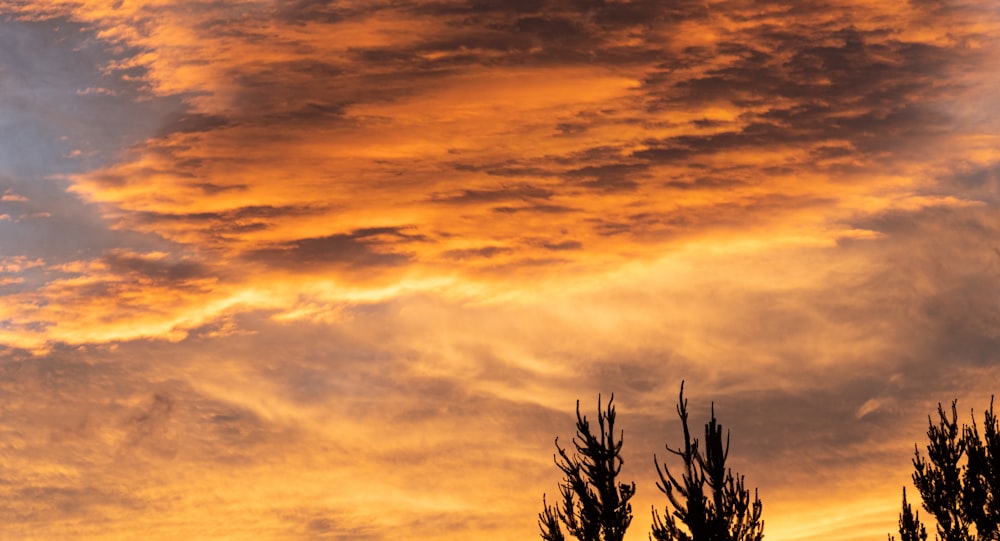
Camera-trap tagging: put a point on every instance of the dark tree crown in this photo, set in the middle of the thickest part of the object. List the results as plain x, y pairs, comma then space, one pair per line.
708, 502
958, 480
594, 505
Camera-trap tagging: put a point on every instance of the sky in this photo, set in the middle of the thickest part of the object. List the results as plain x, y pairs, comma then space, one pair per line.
318, 269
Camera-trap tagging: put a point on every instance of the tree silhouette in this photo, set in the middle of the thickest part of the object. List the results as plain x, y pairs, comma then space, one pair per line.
910, 528
709, 502
959, 481
594, 506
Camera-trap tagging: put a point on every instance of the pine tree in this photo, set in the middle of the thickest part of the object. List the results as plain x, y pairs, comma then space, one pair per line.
709, 502
981, 492
939, 477
910, 528
594, 506
959, 481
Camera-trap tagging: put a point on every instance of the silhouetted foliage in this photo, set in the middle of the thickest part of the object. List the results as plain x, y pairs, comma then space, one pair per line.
594, 506
910, 528
959, 481
709, 502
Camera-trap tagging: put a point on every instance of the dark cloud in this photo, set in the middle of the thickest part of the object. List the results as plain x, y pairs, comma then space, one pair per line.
151, 429
551, 31
297, 92
607, 228
474, 33
61, 503
490, 6
254, 212
648, 12
329, 524
486, 252
155, 270
315, 11
223, 225
466, 197
327, 528
189, 122
360, 249
214, 189
544, 209
979, 182
565, 245
573, 31
609, 177
572, 128
714, 182
510, 168
867, 88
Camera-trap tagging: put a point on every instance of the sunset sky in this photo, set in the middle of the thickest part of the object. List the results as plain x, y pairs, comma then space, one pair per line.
341, 269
